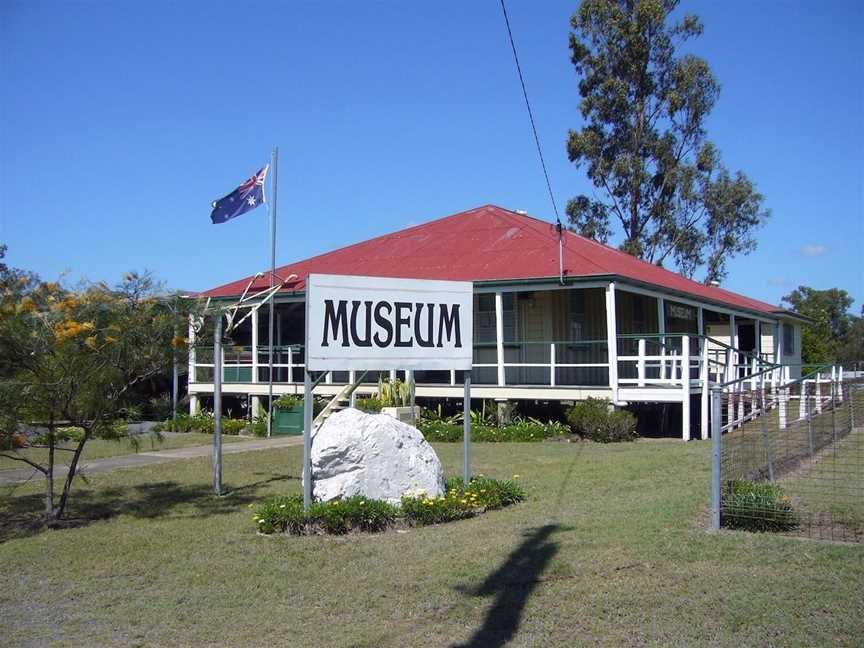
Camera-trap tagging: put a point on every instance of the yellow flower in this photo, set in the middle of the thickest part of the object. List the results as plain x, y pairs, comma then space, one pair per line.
90, 341
515, 476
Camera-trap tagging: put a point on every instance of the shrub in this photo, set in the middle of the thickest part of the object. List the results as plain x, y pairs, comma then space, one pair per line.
757, 506
521, 430
338, 517
288, 402
159, 408
258, 426
62, 434
459, 501
233, 426
202, 422
369, 405
394, 394
593, 419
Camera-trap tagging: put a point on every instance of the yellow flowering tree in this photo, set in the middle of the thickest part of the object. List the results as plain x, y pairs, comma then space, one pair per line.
69, 358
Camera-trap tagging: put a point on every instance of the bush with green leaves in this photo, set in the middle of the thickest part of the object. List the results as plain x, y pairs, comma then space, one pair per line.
757, 506
596, 420
341, 516
458, 501
394, 393
203, 422
520, 430
370, 405
336, 517
258, 426
287, 402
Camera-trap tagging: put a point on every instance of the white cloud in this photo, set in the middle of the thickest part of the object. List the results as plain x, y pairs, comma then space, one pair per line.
813, 250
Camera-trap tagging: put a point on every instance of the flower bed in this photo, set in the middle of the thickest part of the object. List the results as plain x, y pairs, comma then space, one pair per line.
360, 514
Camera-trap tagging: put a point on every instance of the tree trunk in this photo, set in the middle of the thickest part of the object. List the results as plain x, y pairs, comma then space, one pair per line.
49, 474
73, 466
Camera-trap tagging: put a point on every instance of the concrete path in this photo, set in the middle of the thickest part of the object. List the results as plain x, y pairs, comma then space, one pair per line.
16, 475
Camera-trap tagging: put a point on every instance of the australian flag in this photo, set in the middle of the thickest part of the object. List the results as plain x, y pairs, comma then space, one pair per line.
247, 196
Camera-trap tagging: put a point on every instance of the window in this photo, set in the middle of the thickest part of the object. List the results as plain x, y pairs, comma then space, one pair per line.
788, 339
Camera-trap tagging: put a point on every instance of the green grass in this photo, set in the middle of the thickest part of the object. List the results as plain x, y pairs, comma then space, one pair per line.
102, 448
609, 549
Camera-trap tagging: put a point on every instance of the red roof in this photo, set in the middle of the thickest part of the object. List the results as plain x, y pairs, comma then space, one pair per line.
489, 243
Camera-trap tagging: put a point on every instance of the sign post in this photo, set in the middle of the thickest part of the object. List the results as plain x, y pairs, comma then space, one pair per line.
383, 323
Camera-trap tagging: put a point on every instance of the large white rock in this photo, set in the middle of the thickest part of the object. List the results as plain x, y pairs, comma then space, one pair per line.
373, 455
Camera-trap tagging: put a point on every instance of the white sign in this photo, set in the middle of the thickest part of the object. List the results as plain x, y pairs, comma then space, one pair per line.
384, 323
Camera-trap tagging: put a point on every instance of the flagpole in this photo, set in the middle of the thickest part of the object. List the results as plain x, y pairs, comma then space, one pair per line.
273, 161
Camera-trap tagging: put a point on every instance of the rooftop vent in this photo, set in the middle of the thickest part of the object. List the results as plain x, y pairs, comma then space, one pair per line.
714, 283
521, 212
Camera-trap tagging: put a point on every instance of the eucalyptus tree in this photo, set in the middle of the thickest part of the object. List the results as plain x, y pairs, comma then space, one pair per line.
644, 145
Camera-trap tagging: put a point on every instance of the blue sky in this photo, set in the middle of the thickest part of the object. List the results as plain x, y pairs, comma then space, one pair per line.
122, 121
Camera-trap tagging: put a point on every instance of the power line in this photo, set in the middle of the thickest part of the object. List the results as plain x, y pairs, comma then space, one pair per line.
531, 118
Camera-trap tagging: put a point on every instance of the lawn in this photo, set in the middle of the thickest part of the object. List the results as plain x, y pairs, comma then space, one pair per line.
102, 448
610, 549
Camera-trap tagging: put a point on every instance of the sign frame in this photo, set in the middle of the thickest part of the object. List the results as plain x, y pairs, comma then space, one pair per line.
379, 323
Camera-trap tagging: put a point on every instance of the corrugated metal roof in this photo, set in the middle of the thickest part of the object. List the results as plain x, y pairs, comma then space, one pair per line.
490, 244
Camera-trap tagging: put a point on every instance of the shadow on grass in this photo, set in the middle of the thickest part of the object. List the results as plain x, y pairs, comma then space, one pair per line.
21, 516
512, 584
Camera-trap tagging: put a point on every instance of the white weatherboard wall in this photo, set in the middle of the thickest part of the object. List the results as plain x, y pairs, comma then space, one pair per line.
385, 323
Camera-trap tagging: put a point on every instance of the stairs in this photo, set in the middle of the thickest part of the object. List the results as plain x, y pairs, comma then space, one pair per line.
339, 402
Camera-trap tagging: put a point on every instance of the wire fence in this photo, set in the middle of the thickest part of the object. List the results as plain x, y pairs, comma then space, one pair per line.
791, 460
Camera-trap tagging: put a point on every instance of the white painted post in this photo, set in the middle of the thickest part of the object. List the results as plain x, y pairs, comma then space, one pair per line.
290, 365
733, 333
392, 376
191, 376
818, 393
779, 343
661, 324
802, 400
640, 363
685, 387
453, 377
254, 319
704, 377
840, 383
193, 404
740, 388
784, 396
499, 337
754, 369
552, 364
255, 405
352, 377
612, 340
730, 401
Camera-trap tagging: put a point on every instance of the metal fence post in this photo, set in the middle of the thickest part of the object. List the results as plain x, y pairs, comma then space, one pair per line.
833, 413
851, 397
466, 430
217, 404
809, 414
307, 438
716, 449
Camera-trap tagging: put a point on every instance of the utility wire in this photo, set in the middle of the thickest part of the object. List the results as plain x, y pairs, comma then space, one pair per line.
531, 117
558, 227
